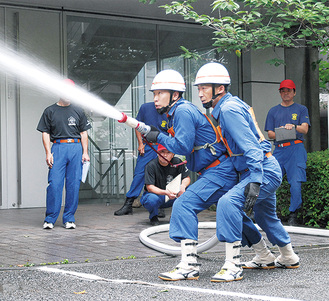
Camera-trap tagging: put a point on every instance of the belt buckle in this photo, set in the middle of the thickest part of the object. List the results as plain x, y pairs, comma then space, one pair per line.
70, 140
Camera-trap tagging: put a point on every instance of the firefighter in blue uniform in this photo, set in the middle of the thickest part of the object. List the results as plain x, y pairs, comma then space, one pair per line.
194, 137
260, 176
291, 154
147, 114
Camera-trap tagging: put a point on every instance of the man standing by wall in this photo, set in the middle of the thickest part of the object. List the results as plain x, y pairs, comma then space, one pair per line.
290, 153
66, 126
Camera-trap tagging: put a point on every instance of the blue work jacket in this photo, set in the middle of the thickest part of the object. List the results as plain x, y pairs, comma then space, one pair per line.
191, 129
240, 131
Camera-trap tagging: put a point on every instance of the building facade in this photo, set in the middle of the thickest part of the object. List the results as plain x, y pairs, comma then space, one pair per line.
114, 49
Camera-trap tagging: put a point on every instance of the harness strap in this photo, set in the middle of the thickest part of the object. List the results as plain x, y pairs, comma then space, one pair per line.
215, 163
225, 142
220, 137
252, 113
171, 131
207, 145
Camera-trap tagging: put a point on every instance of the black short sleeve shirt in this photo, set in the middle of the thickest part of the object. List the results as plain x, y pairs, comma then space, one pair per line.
160, 176
63, 122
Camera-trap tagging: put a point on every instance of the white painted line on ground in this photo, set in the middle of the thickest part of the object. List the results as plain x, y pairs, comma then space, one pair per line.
164, 286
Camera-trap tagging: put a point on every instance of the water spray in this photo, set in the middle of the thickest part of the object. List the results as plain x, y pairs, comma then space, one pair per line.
50, 81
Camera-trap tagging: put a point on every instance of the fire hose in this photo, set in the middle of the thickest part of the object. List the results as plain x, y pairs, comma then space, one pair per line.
211, 242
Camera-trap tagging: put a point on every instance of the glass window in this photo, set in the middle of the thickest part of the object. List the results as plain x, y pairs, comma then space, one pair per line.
108, 58
117, 60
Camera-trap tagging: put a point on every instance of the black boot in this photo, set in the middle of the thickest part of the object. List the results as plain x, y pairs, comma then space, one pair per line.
127, 207
292, 220
155, 221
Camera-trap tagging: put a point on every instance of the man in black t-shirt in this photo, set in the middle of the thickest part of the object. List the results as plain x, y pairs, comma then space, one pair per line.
158, 173
66, 126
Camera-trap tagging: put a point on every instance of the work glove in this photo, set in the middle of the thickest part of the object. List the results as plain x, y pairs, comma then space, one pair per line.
152, 135
251, 192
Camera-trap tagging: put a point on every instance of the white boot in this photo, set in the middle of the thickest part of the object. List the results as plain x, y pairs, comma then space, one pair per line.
188, 268
264, 259
287, 258
231, 269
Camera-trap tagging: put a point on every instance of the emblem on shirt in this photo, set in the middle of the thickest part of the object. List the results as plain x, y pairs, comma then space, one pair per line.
164, 124
169, 178
294, 116
71, 121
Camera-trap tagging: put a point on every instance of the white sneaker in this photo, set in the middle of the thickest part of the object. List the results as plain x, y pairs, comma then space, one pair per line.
180, 274
260, 263
229, 272
70, 225
264, 258
287, 259
281, 263
47, 225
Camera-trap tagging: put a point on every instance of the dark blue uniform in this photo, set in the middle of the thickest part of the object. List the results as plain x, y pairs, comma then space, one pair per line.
149, 115
292, 156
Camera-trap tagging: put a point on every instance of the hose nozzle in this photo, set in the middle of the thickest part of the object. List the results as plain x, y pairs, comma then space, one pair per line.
135, 124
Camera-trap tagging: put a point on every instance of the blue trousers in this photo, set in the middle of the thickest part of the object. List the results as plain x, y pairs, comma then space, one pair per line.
67, 167
209, 187
234, 225
292, 161
152, 202
138, 181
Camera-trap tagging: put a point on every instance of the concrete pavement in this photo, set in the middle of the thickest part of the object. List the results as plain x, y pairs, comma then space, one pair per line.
99, 236
103, 259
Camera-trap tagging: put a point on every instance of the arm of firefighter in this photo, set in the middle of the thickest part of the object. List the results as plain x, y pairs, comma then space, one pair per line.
141, 145
303, 128
271, 135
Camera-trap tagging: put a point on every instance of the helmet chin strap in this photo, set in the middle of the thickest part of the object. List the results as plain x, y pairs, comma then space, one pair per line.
163, 110
166, 108
209, 104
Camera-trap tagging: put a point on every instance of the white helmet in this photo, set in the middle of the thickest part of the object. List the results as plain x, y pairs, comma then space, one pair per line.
212, 73
168, 80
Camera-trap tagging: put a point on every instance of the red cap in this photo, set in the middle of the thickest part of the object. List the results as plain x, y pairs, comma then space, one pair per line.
287, 83
161, 147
